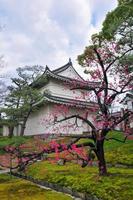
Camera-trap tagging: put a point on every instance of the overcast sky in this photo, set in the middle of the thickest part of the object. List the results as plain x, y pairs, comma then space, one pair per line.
48, 32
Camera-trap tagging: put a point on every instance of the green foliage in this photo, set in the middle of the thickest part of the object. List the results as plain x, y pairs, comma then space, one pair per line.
118, 24
118, 185
124, 1
1, 130
88, 54
128, 60
115, 19
14, 189
23, 98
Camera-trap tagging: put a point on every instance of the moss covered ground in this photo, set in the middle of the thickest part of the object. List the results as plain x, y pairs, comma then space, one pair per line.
116, 186
17, 189
117, 152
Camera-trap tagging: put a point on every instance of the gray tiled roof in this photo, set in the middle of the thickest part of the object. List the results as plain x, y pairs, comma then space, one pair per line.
67, 101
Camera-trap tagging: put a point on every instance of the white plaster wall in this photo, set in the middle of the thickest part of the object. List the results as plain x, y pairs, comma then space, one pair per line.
5, 131
69, 127
60, 89
34, 125
17, 130
41, 122
131, 124
69, 72
129, 105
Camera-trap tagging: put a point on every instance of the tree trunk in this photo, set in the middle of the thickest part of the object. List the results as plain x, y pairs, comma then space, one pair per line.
24, 122
102, 165
11, 129
101, 158
23, 128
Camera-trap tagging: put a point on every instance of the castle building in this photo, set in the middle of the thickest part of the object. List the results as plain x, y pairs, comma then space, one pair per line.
61, 101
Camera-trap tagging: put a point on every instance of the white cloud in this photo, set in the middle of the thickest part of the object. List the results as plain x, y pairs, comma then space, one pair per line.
50, 31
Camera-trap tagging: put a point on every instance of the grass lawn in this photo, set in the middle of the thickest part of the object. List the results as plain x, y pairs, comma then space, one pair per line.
117, 186
17, 189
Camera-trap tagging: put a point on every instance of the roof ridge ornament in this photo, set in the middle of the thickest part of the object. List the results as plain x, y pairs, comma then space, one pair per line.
70, 61
47, 68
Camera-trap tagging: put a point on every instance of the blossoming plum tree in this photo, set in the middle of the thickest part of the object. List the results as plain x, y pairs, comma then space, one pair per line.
106, 64
102, 62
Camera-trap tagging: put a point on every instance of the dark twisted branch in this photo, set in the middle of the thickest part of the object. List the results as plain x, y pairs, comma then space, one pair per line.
117, 58
33, 157
105, 78
78, 117
125, 116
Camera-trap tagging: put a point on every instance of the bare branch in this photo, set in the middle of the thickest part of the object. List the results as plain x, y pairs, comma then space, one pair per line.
122, 141
117, 58
78, 117
125, 116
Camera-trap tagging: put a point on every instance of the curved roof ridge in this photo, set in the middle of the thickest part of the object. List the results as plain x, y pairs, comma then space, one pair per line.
66, 66
51, 73
54, 75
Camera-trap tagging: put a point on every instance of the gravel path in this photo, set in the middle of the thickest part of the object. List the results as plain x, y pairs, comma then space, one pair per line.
4, 171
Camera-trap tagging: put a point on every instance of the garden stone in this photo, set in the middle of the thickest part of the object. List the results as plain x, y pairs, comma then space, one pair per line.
60, 162
67, 190
51, 185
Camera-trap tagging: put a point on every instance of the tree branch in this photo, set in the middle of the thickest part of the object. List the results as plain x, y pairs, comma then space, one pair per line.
125, 116
122, 141
78, 117
117, 58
